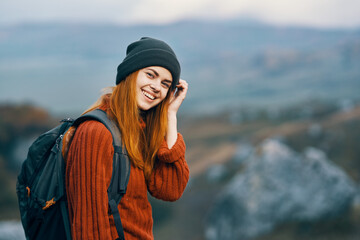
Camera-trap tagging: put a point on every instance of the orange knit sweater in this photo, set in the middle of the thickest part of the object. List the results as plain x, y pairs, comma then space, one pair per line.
88, 175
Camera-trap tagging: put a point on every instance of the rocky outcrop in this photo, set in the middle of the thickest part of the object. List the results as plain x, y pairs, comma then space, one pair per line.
278, 185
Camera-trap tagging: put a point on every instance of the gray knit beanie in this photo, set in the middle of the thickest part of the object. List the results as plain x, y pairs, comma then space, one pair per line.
149, 52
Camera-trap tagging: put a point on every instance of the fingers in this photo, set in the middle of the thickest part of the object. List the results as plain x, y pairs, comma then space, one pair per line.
182, 88
182, 83
177, 98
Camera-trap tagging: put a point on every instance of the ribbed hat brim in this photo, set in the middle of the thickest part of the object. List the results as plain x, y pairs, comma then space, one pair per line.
147, 58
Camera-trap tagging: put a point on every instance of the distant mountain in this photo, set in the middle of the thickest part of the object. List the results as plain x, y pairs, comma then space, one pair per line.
227, 64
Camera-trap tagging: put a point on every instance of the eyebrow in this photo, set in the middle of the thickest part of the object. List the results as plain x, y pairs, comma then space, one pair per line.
157, 74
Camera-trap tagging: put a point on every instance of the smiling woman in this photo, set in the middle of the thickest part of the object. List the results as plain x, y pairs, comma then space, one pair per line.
152, 86
144, 105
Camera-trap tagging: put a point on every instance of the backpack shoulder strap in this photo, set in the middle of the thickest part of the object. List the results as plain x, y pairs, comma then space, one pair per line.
121, 164
101, 116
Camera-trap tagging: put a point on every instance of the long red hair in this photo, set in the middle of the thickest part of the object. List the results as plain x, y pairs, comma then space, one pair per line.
142, 144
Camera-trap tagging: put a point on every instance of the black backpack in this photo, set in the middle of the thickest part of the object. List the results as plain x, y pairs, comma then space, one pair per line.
41, 183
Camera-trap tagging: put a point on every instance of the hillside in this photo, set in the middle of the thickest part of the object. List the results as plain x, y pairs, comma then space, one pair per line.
217, 145
227, 64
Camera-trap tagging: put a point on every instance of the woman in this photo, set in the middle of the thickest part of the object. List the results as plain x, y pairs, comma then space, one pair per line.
144, 103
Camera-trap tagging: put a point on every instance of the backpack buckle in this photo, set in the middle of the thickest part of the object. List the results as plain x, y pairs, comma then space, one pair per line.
28, 191
49, 204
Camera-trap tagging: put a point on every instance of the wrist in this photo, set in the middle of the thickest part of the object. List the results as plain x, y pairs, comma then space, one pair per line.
171, 115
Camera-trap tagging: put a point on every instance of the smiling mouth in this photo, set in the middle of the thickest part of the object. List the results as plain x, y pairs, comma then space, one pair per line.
148, 95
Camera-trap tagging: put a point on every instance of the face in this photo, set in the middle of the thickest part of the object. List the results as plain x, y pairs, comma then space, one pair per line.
152, 86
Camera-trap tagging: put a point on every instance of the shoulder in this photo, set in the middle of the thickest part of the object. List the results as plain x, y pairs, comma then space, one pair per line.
93, 128
88, 135
94, 134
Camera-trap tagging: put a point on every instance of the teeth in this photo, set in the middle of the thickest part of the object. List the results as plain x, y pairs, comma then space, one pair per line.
148, 95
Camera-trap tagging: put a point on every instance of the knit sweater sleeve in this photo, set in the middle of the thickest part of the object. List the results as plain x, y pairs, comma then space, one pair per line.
171, 173
88, 173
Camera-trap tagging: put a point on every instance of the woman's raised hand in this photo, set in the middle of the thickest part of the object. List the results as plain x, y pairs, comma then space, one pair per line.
177, 98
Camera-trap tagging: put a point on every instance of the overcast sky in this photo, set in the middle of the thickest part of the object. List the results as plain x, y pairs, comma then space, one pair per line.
315, 13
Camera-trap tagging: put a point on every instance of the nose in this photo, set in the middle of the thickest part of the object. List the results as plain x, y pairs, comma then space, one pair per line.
155, 86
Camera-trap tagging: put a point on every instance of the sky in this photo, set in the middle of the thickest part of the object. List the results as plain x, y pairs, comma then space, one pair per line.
313, 13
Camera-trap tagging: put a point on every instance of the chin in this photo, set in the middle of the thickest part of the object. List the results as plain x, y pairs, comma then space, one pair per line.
145, 107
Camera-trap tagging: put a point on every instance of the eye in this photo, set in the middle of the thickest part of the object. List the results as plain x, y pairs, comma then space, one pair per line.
167, 85
150, 75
